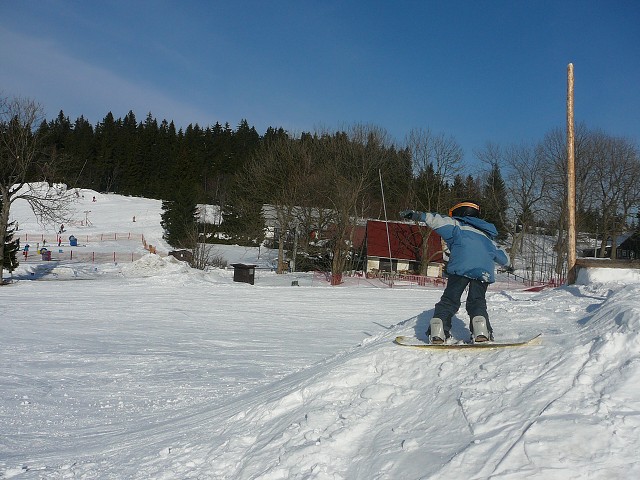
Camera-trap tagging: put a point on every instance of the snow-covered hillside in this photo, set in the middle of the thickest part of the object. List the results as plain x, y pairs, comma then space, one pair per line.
149, 369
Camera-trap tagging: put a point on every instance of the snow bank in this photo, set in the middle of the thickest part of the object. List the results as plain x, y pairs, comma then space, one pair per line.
588, 276
155, 265
383, 411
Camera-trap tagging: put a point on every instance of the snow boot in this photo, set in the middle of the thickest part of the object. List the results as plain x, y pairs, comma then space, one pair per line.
479, 331
437, 335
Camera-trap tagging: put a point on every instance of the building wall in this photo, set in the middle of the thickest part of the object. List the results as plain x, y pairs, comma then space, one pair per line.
433, 270
373, 263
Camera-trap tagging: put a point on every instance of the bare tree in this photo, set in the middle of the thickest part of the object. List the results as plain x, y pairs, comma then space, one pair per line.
277, 176
553, 150
25, 172
436, 159
324, 182
616, 167
351, 163
203, 253
525, 185
494, 194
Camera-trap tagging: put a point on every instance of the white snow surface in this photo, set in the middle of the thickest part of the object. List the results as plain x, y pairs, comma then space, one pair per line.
151, 370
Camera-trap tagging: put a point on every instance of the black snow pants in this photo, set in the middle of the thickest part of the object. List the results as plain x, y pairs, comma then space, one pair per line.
449, 303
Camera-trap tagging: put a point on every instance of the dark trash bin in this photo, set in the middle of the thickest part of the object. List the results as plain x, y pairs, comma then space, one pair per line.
244, 273
73, 241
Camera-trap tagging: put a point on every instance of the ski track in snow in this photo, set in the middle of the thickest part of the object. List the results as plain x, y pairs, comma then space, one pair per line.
506, 409
374, 410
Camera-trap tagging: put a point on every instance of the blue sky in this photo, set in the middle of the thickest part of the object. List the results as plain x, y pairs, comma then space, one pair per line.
480, 71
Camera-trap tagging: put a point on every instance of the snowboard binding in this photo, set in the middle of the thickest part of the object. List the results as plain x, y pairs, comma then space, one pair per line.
479, 330
437, 335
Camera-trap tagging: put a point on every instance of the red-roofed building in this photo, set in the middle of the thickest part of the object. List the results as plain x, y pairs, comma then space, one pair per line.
402, 248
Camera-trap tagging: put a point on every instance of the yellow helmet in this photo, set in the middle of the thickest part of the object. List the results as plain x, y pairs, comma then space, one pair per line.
465, 209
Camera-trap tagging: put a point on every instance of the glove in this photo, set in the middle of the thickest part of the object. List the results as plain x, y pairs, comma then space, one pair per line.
506, 269
410, 215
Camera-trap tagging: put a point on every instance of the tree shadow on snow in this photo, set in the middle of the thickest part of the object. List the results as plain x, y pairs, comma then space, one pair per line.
37, 271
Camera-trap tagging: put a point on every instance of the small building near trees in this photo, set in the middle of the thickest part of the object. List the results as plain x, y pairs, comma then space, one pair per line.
627, 247
402, 249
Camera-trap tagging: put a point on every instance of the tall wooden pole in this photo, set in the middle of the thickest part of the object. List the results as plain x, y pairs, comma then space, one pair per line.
571, 181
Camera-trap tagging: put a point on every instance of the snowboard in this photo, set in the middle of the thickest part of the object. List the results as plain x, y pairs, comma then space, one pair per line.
406, 341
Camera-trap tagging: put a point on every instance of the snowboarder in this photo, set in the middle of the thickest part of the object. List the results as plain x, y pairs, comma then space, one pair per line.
472, 254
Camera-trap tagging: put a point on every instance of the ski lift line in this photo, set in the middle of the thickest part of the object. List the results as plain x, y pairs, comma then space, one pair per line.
386, 222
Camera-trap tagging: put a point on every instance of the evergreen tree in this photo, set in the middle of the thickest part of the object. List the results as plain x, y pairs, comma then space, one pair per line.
243, 223
192, 158
147, 154
179, 218
431, 190
60, 132
494, 202
167, 154
473, 189
245, 141
133, 176
11, 250
81, 150
458, 190
56, 139
106, 168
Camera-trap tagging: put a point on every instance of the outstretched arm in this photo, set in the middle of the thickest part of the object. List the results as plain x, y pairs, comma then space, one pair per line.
501, 257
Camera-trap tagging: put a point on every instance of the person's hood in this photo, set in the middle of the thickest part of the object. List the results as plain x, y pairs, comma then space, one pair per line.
482, 225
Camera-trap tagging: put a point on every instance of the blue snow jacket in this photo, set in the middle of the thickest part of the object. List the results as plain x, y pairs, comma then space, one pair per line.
472, 248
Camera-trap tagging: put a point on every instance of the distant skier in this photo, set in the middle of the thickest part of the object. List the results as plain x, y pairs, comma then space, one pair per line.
472, 254
25, 251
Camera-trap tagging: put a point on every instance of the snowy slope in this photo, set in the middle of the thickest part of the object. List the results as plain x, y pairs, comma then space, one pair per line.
149, 369
104, 212
568, 409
